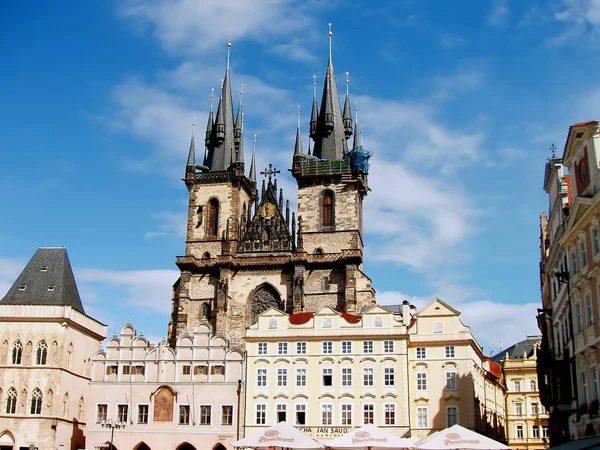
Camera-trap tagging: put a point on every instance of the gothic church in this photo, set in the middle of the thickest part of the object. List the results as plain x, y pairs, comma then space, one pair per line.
245, 250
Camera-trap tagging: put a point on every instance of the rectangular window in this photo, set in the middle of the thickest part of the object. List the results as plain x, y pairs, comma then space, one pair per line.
112, 370
368, 347
347, 414
346, 347
519, 431
368, 414
534, 409
422, 419
594, 377
421, 381
261, 414
142, 414
205, 413
451, 381
184, 414
300, 414
573, 263
368, 373
388, 346
327, 376
200, 370
301, 377
227, 415
281, 413
519, 409
545, 432
583, 252
389, 410
262, 348
389, 376
421, 353
583, 390
282, 348
186, 369
517, 385
377, 321
578, 318
326, 414
438, 328
346, 376
261, 377
589, 313
126, 370
450, 351
595, 241
327, 347
451, 415
122, 413
139, 370
301, 348
101, 415
217, 370
326, 322
282, 377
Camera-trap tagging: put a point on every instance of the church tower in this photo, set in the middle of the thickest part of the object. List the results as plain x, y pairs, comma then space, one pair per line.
246, 251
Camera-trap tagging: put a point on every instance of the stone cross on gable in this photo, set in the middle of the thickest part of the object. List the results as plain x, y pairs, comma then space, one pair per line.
553, 150
270, 171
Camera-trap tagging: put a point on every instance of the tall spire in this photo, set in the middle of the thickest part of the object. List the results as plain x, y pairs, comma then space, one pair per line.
347, 116
314, 116
298, 147
253, 162
191, 161
223, 152
330, 139
238, 130
356, 144
210, 123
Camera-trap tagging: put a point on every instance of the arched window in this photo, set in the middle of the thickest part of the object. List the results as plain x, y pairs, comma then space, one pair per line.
327, 207
65, 406
41, 354
17, 352
36, 402
70, 357
80, 410
11, 401
213, 217
326, 283
532, 385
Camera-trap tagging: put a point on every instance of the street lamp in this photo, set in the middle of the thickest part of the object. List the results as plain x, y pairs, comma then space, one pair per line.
112, 425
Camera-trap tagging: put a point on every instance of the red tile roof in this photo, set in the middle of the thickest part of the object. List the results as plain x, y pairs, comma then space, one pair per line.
577, 125
495, 368
569, 191
351, 318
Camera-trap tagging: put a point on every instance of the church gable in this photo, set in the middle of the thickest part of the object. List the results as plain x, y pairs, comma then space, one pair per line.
268, 230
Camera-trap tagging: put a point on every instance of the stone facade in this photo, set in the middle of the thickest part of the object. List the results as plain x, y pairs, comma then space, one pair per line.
167, 397
45, 365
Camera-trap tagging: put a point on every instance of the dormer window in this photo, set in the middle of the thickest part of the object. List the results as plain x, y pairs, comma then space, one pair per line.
51, 288
22, 287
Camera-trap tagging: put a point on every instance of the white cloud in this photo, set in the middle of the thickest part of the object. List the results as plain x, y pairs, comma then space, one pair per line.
451, 40
499, 13
580, 17
189, 26
169, 224
491, 322
146, 289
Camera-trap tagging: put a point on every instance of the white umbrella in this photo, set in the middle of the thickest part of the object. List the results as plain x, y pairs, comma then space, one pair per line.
459, 437
371, 436
281, 435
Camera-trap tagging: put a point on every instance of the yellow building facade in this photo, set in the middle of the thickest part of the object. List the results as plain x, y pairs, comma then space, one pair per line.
527, 419
328, 372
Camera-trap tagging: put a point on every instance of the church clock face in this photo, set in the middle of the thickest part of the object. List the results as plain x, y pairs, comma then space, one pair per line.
268, 210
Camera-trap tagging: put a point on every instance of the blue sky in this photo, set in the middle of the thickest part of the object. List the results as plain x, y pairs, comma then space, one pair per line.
460, 103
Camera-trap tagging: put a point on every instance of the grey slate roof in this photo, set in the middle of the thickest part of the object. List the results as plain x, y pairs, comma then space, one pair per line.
221, 152
517, 350
48, 267
330, 145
